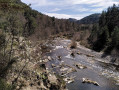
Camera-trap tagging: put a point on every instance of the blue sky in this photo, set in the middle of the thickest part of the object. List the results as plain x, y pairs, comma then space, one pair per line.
70, 8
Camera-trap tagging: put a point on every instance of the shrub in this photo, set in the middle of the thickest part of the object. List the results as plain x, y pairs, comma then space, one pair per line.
4, 85
2, 40
73, 44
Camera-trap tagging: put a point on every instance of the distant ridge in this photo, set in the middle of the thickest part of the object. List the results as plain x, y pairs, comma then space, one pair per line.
72, 19
91, 19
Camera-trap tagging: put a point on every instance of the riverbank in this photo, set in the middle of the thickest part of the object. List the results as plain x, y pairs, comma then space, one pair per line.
29, 70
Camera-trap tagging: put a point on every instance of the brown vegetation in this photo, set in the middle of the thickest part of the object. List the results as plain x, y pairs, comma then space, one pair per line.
73, 44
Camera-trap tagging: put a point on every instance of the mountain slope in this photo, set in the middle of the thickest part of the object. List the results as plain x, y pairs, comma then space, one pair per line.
72, 20
91, 19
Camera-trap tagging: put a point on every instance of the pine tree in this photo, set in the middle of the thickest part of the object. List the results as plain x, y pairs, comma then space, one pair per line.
115, 37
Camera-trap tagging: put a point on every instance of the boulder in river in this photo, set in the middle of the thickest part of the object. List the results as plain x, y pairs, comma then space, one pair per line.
59, 57
88, 55
72, 54
86, 80
69, 80
64, 69
74, 70
53, 65
78, 53
80, 66
49, 58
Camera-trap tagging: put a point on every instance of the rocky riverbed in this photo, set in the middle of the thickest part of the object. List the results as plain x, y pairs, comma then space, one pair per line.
29, 71
53, 65
82, 64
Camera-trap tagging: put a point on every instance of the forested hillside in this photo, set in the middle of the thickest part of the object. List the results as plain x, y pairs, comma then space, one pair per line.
107, 32
91, 19
33, 22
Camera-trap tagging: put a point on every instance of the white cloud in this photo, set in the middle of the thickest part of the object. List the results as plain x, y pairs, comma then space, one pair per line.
70, 2
54, 10
83, 9
39, 2
60, 16
105, 3
84, 1
95, 2
65, 16
97, 10
80, 9
88, 6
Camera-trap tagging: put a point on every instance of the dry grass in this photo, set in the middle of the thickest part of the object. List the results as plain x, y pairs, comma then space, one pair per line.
73, 44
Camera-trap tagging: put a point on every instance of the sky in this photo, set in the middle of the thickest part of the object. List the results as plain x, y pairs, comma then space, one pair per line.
70, 8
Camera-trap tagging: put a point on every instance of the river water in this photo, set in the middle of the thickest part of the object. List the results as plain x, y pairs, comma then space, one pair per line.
98, 70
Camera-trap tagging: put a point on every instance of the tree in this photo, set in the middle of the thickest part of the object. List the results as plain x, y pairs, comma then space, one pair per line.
2, 40
94, 33
102, 40
102, 20
108, 29
115, 37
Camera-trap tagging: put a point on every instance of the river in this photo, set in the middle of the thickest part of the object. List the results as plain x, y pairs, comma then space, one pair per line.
98, 69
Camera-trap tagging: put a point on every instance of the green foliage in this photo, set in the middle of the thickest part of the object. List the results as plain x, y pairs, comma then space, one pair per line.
4, 85
31, 24
110, 18
108, 33
91, 19
102, 39
102, 20
30, 13
105, 32
10, 1
93, 36
115, 37
2, 40
53, 19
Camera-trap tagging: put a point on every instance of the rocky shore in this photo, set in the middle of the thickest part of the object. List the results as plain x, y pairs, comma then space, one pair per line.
29, 71
52, 65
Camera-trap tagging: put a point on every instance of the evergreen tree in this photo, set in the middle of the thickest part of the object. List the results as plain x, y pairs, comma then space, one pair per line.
115, 37
108, 29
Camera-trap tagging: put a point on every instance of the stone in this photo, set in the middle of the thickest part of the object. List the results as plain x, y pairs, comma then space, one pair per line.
78, 53
63, 69
53, 65
79, 66
74, 70
59, 57
69, 80
86, 80
72, 54
88, 55
49, 58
